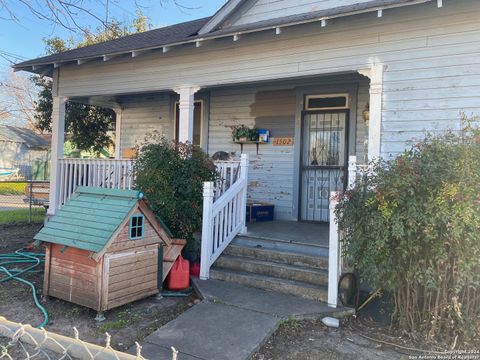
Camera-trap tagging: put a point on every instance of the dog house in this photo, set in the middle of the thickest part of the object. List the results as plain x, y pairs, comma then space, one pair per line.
106, 248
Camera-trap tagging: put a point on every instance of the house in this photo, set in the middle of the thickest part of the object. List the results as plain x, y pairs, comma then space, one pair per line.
336, 82
95, 243
25, 150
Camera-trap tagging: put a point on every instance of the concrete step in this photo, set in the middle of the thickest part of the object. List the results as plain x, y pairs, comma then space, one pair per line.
280, 245
284, 257
273, 269
285, 286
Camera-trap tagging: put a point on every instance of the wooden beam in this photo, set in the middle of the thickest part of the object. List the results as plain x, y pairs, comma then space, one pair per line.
376, 107
82, 61
136, 53
58, 136
108, 57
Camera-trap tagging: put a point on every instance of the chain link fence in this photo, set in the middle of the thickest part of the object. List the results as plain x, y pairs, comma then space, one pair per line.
18, 342
23, 201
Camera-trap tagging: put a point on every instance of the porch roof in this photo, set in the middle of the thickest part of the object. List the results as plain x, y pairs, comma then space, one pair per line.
188, 32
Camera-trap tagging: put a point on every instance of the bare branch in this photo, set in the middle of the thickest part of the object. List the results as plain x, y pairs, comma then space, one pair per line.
17, 99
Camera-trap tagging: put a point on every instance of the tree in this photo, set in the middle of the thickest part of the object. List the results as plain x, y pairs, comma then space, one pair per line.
65, 13
86, 125
17, 100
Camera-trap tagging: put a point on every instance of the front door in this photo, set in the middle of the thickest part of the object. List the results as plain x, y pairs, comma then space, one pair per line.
324, 161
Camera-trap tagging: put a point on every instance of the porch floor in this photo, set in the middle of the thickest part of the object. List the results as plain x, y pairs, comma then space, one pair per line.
309, 233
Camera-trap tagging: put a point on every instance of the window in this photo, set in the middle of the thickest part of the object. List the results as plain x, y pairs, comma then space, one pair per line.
326, 102
136, 227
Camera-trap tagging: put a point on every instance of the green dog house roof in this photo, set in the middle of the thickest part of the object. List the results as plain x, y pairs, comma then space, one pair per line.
92, 216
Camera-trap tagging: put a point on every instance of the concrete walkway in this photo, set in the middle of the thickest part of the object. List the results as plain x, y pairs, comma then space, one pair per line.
231, 322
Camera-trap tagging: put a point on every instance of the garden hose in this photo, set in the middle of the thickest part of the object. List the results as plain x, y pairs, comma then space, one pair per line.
19, 258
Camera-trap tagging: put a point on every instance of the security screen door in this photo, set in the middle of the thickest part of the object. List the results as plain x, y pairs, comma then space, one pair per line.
324, 159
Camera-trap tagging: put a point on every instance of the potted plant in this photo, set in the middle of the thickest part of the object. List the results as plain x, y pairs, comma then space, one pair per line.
253, 134
242, 133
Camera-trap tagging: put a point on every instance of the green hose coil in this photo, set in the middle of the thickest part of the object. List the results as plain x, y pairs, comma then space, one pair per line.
21, 257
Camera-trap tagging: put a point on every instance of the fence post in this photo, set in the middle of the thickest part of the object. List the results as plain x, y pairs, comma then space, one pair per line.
334, 253
352, 171
30, 185
244, 178
207, 233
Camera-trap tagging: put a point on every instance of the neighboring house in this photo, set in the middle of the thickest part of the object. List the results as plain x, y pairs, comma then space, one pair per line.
329, 79
23, 149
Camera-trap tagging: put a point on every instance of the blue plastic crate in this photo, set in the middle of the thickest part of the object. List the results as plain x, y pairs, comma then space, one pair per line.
259, 212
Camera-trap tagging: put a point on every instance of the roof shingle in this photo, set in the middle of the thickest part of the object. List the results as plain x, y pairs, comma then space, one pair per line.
24, 136
90, 218
148, 39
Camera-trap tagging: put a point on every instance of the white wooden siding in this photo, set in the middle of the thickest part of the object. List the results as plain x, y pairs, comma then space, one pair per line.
272, 170
432, 57
259, 10
142, 115
229, 107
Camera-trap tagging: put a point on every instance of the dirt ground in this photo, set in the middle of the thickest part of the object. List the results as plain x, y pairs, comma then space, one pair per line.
312, 340
125, 324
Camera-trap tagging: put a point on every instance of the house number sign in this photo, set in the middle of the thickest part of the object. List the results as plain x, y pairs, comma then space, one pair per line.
283, 141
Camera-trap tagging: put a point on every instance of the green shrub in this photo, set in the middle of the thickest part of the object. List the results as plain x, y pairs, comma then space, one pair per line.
171, 175
413, 229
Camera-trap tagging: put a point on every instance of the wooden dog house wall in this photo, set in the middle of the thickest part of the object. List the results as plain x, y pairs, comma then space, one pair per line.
96, 258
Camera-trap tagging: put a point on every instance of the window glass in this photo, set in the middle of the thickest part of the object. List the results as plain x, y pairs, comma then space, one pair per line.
136, 227
327, 102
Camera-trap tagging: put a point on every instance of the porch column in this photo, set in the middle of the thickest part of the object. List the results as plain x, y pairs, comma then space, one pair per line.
58, 137
375, 73
118, 132
186, 112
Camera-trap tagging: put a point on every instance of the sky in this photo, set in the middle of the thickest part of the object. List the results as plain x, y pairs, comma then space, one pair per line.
22, 39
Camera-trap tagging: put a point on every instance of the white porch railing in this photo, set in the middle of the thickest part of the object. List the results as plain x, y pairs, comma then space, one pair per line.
104, 173
335, 261
224, 211
229, 172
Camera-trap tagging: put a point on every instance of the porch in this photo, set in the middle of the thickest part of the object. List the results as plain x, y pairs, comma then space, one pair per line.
318, 154
302, 237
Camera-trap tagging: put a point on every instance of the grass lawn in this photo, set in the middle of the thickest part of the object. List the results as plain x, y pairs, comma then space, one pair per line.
21, 216
9, 188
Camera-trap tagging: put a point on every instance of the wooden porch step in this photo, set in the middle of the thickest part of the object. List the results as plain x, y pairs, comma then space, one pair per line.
273, 269
280, 245
278, 256
285, 286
